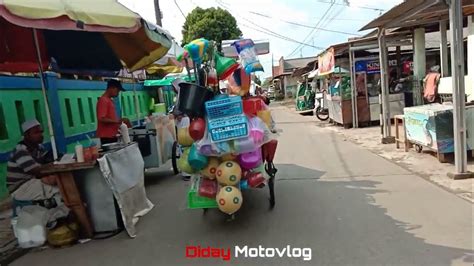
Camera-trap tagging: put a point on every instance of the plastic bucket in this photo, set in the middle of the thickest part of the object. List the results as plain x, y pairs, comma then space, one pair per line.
196, 160
192, 98
251, 159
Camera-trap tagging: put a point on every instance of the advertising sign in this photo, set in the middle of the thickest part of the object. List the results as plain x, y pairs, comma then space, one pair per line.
368, 66
326, 62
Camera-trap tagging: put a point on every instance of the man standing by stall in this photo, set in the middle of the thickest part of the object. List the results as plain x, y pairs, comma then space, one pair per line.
108, 122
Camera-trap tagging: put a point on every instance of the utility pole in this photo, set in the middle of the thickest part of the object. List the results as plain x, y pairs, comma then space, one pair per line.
459, 94
158, 15
273, 73
384, 101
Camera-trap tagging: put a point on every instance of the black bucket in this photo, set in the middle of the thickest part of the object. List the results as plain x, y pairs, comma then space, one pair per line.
191, 99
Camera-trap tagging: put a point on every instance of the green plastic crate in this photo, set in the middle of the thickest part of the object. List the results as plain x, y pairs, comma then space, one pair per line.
197, 202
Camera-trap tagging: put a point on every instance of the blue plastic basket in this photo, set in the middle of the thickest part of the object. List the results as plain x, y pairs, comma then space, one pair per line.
228, 128
224, 107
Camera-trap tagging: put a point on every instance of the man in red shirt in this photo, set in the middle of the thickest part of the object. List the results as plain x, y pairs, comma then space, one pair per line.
108, 122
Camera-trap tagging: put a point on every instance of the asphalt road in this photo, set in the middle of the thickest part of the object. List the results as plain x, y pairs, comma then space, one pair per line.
349, 206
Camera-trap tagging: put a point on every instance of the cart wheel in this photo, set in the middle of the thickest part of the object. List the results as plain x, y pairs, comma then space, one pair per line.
418, 148
174, 157
204, 211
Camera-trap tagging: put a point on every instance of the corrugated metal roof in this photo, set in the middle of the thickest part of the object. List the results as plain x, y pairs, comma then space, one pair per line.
416, 13
294, 63
394, 13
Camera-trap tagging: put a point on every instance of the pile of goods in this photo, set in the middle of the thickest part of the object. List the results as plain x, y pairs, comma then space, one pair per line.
225, 134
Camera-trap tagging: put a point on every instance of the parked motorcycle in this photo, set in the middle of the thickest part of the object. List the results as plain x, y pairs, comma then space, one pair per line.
321, 112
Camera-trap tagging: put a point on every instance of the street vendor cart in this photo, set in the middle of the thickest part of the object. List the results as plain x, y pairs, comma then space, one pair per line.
157, 141
225, 133
430, 127
339, 101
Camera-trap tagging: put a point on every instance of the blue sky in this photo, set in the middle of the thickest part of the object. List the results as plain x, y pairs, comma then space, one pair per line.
271, 16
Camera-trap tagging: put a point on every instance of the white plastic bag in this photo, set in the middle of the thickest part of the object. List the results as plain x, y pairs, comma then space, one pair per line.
31, 226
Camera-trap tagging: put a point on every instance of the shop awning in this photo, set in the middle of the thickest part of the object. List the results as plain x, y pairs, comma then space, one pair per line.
416, 12
167, 81
313, 74
90, 36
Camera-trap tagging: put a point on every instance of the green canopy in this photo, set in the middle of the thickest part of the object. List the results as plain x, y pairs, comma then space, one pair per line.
167, 81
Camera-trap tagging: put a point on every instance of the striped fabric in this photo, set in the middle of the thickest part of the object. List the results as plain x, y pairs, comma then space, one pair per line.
21, 162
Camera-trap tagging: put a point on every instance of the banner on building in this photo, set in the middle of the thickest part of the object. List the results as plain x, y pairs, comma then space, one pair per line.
326, 62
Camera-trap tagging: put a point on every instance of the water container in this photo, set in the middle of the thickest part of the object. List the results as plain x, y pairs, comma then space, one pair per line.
31, 226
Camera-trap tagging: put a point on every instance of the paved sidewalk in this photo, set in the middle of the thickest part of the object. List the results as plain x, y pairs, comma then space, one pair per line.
424, 164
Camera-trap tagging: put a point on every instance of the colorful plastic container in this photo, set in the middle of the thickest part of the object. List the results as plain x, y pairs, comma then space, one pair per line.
251, 160
244, 145
192, 98
228, 106
252, 106
228, 128
197, 202
196, 160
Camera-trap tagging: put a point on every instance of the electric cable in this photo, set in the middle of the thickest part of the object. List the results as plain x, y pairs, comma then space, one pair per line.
311, 32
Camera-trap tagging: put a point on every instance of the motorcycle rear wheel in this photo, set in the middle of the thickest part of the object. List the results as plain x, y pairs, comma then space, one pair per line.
322, 114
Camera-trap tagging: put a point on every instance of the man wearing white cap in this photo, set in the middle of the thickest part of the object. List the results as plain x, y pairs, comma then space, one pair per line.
23, 170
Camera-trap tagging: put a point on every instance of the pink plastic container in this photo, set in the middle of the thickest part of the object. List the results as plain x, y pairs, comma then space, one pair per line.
257, 135
251, 160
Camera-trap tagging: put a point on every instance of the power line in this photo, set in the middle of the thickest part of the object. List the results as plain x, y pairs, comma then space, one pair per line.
265, 30
182, 13
329, 18
305, 26
348, 19
283, 38
311, 32
347, 4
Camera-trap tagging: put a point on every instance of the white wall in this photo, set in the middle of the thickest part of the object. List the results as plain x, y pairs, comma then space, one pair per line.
291, 84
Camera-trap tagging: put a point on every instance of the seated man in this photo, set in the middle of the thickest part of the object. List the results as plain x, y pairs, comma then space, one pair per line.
24, 179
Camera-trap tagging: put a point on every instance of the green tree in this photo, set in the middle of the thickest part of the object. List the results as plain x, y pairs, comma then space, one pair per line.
212, 24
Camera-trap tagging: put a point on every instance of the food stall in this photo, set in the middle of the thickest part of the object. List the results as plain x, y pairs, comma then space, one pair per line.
431, 127
92, 185
339, 101
367, 73
61, 45
339, 96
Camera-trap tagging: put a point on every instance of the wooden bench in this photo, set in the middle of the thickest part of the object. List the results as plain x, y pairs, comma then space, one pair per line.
400, 119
